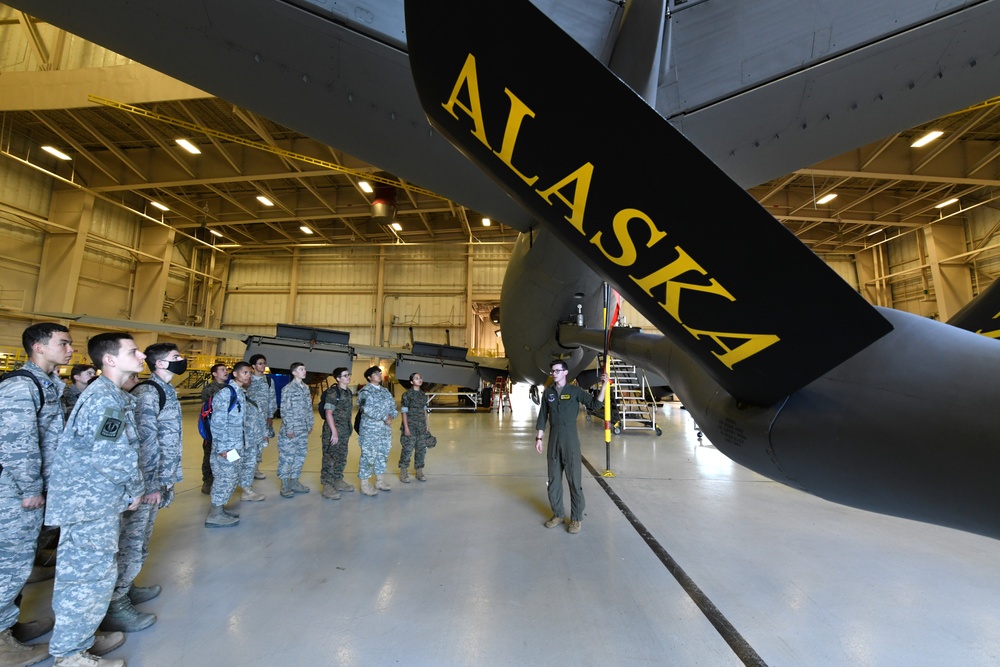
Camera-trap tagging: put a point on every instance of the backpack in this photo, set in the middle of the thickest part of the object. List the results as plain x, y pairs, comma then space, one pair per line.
357, 421
159, 390
322, 400
28, 374
205, 418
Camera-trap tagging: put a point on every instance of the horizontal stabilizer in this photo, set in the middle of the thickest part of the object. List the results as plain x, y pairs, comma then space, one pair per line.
595, 164
982, 314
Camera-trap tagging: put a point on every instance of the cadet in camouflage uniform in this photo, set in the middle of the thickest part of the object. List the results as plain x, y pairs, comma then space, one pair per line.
228, 435
160, 463
255, 437
378, 410
95, 477
296, 424
29, 432
220, 378
79, 377
337, 402
261, 390
413, 432
561, 405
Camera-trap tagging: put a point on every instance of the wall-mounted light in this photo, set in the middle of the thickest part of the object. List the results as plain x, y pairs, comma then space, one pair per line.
926, 139
827, 198
264, 200
306, 229
159, 206
398, 227
188, 146
487, 222
948, 202
366, 186
56, 152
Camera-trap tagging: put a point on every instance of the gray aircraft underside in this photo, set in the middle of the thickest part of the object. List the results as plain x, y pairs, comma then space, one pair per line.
762, 88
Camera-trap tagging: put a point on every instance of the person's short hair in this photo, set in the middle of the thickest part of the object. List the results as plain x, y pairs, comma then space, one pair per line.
158, 351
412, 374
371, 371
40, 333
106, 343
79, 369
254, 359
559, 362
240, 365
338, 371
216, 367
295, 364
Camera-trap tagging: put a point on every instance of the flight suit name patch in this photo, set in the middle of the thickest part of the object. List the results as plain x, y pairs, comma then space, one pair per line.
564, 397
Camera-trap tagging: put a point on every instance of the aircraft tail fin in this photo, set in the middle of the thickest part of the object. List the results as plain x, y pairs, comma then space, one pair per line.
982, 314
589, 159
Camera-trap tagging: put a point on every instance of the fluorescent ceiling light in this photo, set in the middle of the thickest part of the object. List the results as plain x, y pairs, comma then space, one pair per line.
212, 231
188, 146
826, 199
877, 231
926, 139
306, 229
55, 151
398, 227
948, 202
159, 206
487, 222
264, 200
228, 245
366, 186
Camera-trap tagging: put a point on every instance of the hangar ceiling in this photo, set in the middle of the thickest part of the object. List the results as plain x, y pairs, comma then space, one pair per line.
129, 155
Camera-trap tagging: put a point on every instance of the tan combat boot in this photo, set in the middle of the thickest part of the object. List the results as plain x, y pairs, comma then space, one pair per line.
15, 654
367, 488
381, 484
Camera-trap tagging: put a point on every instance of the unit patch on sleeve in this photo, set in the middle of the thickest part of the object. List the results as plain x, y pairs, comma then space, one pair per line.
111, 425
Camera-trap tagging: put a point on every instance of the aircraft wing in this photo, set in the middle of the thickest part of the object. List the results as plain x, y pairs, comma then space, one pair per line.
534, 118
982, 314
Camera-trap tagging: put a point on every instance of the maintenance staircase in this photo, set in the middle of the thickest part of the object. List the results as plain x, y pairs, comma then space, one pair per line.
501, 395
633, 398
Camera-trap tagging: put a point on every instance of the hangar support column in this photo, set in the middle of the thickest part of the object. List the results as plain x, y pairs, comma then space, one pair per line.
62, 251
952, 282
156, 248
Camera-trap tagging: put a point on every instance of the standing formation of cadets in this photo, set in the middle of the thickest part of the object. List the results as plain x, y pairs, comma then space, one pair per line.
92, 463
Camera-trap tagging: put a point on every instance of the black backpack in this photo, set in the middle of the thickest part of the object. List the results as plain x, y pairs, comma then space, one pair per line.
159, 390
21, 372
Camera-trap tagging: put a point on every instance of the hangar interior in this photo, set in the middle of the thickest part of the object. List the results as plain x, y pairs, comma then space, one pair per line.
266, 225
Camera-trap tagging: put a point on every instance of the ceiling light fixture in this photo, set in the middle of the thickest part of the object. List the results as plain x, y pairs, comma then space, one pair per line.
264, 200
306, 229
826, 199
926, 139
188, 146
159, 206
398, 227
877, 231
212, 231
947, 202
55, 151
366, 186
487, 222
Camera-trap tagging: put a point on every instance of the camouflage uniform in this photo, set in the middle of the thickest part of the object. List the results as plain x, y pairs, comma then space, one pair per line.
160, 464
227, 434
255, 430
27, 438
335, 456
414, 405
207, 392
375, 437
296, 417
261, 390
70, 396
95, 476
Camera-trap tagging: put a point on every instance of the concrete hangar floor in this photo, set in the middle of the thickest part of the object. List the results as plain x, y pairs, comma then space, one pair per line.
460, 571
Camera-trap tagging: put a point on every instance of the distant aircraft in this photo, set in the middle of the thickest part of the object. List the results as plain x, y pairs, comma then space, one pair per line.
787, 371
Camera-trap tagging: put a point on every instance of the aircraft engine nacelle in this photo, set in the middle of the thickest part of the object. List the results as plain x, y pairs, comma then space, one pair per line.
546, 285
907, 427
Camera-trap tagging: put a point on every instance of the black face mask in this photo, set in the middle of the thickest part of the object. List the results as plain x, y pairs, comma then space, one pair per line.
177, 367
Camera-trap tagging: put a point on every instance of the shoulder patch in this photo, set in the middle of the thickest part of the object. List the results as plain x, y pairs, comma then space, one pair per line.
550, 397
111, 425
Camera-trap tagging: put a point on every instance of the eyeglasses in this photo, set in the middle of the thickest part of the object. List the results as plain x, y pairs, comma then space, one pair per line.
558, 370
344, 376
